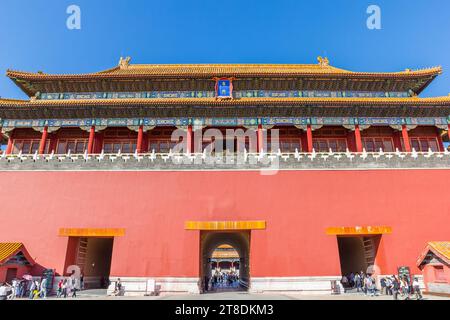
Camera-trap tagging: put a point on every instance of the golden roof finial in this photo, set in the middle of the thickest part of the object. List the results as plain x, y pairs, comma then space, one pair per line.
323, 61
124, 62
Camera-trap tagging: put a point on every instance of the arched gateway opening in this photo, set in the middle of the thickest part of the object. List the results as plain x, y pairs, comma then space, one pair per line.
224, 260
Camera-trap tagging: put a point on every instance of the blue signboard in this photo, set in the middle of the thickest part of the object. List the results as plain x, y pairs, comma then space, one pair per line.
224, 88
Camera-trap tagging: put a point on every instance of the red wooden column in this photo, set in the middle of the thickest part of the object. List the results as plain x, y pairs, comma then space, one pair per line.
359, 147
139, 139
91, 140
189, 138
43, 140
10, 144
405, 136
441, 146
309, 139
448, 133
260, 137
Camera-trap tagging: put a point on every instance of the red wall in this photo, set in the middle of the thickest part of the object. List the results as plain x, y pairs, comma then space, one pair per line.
297, 205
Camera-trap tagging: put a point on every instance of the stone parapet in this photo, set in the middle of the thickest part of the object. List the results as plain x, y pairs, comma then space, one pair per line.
198, 162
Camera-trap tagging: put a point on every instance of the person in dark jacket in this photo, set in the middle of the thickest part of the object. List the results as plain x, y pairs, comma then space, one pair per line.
395, 287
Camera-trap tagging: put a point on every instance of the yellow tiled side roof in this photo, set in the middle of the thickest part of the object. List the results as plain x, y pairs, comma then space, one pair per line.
225, 254
8, 248
442, 247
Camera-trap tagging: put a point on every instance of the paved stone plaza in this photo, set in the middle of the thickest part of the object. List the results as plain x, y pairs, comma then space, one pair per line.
236, 295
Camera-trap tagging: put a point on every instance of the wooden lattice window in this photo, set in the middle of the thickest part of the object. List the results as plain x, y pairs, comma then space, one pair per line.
161, 145
335, 144
423, 144
122, 145
77, 146
375, 144
28, 146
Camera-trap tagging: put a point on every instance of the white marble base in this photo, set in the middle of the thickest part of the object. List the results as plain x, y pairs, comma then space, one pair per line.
134, 286
139, 286
297, 285
439, 287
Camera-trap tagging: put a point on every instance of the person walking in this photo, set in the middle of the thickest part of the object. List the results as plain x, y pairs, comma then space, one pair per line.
4, 291
74, 286
23, 288
65, 288
404, 287
206, 283
383, 286
364, 283
15, 286
36, 290
118, 287
344, 282
43, 291
395, 287
416, 287
388, 286
32, 288
81, 281
357, 282
60, 288
370, 285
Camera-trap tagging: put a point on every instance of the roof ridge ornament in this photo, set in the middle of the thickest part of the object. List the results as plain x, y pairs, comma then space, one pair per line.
124, 62
323, 62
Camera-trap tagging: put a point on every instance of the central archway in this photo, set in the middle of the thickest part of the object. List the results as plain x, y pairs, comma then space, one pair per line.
210, 241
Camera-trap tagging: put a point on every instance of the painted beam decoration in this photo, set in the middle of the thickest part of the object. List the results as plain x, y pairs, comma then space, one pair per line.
224, 89
359, 230
225, 225
91, 232
221, 122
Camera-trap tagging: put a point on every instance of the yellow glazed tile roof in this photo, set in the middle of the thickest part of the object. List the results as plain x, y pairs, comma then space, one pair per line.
441, 247
8, 248
225, 254
177, 70
224, 246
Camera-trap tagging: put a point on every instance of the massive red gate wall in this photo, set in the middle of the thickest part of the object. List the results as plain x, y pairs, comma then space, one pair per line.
297, 205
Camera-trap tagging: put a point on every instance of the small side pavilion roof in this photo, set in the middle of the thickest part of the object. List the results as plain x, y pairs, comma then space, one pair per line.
10, 249
440, 249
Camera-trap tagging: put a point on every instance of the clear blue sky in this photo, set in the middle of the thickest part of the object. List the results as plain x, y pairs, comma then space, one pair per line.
33, 35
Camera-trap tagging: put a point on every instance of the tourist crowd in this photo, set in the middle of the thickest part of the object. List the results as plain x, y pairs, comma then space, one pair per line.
224, 278
39, 288
392, 286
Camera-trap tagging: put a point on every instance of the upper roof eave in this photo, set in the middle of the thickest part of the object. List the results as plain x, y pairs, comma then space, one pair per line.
175, 71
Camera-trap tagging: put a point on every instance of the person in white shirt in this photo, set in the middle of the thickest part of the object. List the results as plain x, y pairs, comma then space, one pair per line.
4, 289
43, 291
